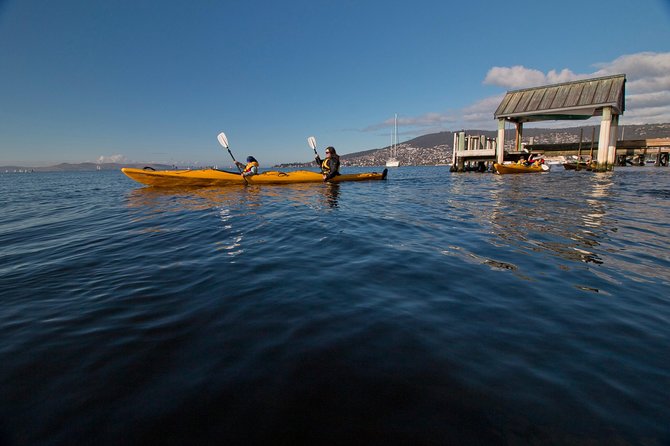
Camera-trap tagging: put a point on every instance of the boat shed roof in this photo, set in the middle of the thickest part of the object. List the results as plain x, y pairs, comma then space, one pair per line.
571, 100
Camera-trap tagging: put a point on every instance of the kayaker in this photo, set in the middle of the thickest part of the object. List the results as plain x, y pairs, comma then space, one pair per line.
250, 169
528, 161
330, 167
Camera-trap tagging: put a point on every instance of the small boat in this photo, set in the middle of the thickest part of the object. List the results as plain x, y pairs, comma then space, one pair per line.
580, 163
574, 165
215, 177
393, 161
520, 168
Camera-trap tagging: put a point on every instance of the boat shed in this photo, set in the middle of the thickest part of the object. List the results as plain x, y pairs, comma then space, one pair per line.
583, 99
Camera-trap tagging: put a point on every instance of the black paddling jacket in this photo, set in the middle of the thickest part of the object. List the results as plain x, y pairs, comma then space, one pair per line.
330, 167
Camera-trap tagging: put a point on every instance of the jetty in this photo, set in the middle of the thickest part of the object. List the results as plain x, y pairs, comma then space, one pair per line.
635, 152
569, 101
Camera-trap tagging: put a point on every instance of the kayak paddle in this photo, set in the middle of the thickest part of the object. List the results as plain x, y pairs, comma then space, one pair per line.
223, 140
312, 143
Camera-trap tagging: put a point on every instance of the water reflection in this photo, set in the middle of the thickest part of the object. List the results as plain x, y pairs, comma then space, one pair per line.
191, 198
331, 192
313, 195
539, 215
162, 199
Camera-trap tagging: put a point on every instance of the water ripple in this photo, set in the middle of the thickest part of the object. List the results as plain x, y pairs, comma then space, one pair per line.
433, 307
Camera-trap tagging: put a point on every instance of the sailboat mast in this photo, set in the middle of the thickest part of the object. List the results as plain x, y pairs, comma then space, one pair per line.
393, 161
395, 133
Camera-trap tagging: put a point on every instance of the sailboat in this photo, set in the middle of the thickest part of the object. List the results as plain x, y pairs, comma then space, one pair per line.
393, 161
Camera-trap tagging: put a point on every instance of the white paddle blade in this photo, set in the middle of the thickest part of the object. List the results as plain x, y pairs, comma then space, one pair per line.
223, 140
312, 142
545, 167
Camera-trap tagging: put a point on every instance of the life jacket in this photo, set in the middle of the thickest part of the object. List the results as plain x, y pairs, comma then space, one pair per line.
248, 167
325, 166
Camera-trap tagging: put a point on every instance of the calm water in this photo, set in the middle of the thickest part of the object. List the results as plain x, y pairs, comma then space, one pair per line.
433, 308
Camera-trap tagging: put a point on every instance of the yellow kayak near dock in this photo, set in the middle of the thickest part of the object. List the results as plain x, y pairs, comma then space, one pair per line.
519, 168
215, 177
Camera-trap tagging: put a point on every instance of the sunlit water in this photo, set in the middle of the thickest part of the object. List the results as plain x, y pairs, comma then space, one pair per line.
431, 308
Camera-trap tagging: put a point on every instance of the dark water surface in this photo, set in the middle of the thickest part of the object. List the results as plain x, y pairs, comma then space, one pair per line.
432, 308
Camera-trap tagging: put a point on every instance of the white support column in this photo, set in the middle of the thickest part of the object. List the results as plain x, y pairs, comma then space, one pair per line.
611, 149
461, 146
455, 148
500, 142
519, 136
604, 139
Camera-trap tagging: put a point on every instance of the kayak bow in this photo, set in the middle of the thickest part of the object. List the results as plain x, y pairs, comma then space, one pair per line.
518, 168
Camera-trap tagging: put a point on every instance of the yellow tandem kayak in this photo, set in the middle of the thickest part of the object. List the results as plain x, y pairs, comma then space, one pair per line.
519, 168
214, 177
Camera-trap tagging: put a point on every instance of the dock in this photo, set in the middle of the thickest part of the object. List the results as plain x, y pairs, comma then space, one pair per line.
628, 152
578, 100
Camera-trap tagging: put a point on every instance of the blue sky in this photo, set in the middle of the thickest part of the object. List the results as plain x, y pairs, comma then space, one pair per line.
156, 81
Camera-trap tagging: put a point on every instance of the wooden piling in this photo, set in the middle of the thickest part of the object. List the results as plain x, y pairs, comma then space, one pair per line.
579, 149
593, 138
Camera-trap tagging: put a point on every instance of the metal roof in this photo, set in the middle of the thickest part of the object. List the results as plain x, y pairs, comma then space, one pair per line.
571, 100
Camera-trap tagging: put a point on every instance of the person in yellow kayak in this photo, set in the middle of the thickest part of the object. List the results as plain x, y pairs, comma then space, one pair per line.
330, 167
250, 169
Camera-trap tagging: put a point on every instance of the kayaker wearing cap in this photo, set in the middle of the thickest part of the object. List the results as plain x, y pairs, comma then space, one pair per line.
330, 167
250, 169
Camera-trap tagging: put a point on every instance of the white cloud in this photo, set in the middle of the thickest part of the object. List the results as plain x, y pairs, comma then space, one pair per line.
647, 94
647, 84
429, 120
564, 75
647, 115
637, 66
514, 77
481, 111
518, 76
644, 100
111, 159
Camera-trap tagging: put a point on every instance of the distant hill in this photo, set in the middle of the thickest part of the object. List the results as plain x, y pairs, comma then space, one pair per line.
542, 135
431, 149
436, 148
80, 167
